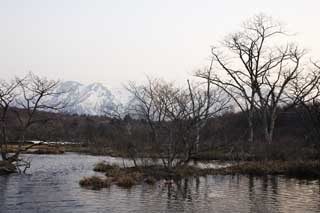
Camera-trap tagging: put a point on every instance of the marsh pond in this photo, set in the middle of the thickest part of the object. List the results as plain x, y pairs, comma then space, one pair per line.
52, 185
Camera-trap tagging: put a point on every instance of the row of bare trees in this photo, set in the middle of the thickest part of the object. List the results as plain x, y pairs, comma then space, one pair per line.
175, 116
251, 71
23, 97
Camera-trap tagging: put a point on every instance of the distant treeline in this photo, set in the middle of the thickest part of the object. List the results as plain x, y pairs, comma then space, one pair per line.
294, 128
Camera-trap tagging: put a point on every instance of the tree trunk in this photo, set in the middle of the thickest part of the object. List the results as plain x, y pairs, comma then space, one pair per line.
22, 142
269, 126
4, 148
250, 124
268, 135
265, 126
197, 139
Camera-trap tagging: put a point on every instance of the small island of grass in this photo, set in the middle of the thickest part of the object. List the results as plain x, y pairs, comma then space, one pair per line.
130, 176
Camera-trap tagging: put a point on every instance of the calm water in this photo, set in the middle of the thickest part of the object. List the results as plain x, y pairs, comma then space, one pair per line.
52, 186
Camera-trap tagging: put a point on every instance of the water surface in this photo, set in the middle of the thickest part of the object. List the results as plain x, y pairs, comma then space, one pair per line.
52, 186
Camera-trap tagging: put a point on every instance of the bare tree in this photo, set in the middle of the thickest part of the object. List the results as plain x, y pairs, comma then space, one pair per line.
35, 95
274, 84
25, 97
305, 92
305, 89
7, 96
175, 116
253, 72
151, 103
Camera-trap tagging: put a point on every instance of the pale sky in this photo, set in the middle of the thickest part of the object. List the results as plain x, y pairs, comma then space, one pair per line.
114, 41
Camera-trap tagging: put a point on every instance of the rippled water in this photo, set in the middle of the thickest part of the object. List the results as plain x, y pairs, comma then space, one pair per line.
52, 186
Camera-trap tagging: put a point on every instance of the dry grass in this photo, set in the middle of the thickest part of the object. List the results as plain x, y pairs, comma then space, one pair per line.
7, 168
113, 172
95, 182
304, 169
126, 181
127, 177
104, 167
150, 180
123, 177
47, 151
137, 176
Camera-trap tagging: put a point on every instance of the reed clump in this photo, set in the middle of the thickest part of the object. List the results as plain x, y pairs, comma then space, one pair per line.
126, 181
150, 180
104, 167
95, 182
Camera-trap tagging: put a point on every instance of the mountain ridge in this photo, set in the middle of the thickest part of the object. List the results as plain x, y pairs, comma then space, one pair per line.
85, 99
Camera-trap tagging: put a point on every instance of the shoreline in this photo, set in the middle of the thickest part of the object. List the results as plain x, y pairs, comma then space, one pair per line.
304, 168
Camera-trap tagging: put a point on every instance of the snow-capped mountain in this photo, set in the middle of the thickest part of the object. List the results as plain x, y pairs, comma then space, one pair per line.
92, 99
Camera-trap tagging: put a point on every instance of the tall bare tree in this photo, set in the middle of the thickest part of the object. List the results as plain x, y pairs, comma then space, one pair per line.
274, 85
254, 72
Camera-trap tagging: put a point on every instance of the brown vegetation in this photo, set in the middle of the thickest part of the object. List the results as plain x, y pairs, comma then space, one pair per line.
299, 169
150, 180
126, 181
104, 167
95, 182
7, 167
123, 177
128, 177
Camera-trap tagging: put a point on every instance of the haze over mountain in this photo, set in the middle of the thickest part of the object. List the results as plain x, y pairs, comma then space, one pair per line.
91, 99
